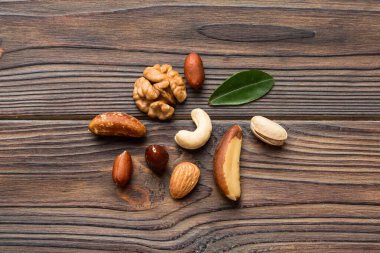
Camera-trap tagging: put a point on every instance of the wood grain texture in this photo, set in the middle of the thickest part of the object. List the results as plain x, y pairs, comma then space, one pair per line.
57, 8
320, 191
65, 61
68, 62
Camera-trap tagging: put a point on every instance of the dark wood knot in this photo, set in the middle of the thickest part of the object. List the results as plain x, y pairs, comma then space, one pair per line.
253, 33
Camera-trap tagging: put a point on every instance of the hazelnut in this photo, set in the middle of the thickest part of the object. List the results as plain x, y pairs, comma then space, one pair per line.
156, 158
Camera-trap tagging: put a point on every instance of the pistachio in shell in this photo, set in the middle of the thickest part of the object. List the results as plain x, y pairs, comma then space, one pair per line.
268, 131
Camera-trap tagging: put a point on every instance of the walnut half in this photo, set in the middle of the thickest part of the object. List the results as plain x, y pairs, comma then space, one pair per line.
159, 89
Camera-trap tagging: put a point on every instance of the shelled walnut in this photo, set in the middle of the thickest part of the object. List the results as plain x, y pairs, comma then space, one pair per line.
158, 90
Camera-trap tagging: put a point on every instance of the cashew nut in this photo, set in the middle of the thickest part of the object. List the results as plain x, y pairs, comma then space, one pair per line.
199, 137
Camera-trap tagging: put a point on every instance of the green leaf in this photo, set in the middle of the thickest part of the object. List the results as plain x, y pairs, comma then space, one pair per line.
242, 87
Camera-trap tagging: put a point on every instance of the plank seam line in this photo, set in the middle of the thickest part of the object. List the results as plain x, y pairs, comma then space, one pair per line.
81, 46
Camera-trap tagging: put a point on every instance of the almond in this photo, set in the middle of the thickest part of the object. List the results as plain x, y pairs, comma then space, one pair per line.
122, 169
226, 163
117, 124
183, 179
193, 70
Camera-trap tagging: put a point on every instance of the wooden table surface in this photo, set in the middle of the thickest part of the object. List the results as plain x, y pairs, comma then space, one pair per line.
66, 61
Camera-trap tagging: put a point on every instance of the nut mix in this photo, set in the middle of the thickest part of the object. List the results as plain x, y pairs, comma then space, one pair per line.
155, 94
158, 90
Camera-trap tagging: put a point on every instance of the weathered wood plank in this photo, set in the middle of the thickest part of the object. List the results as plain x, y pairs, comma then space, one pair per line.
85, 61
47, 8
330, 32
71, 60
319, 191
52, 82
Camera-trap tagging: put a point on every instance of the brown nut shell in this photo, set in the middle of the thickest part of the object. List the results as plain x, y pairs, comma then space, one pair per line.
117, 124
194, 71
226, 163
122, 169
184, 178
